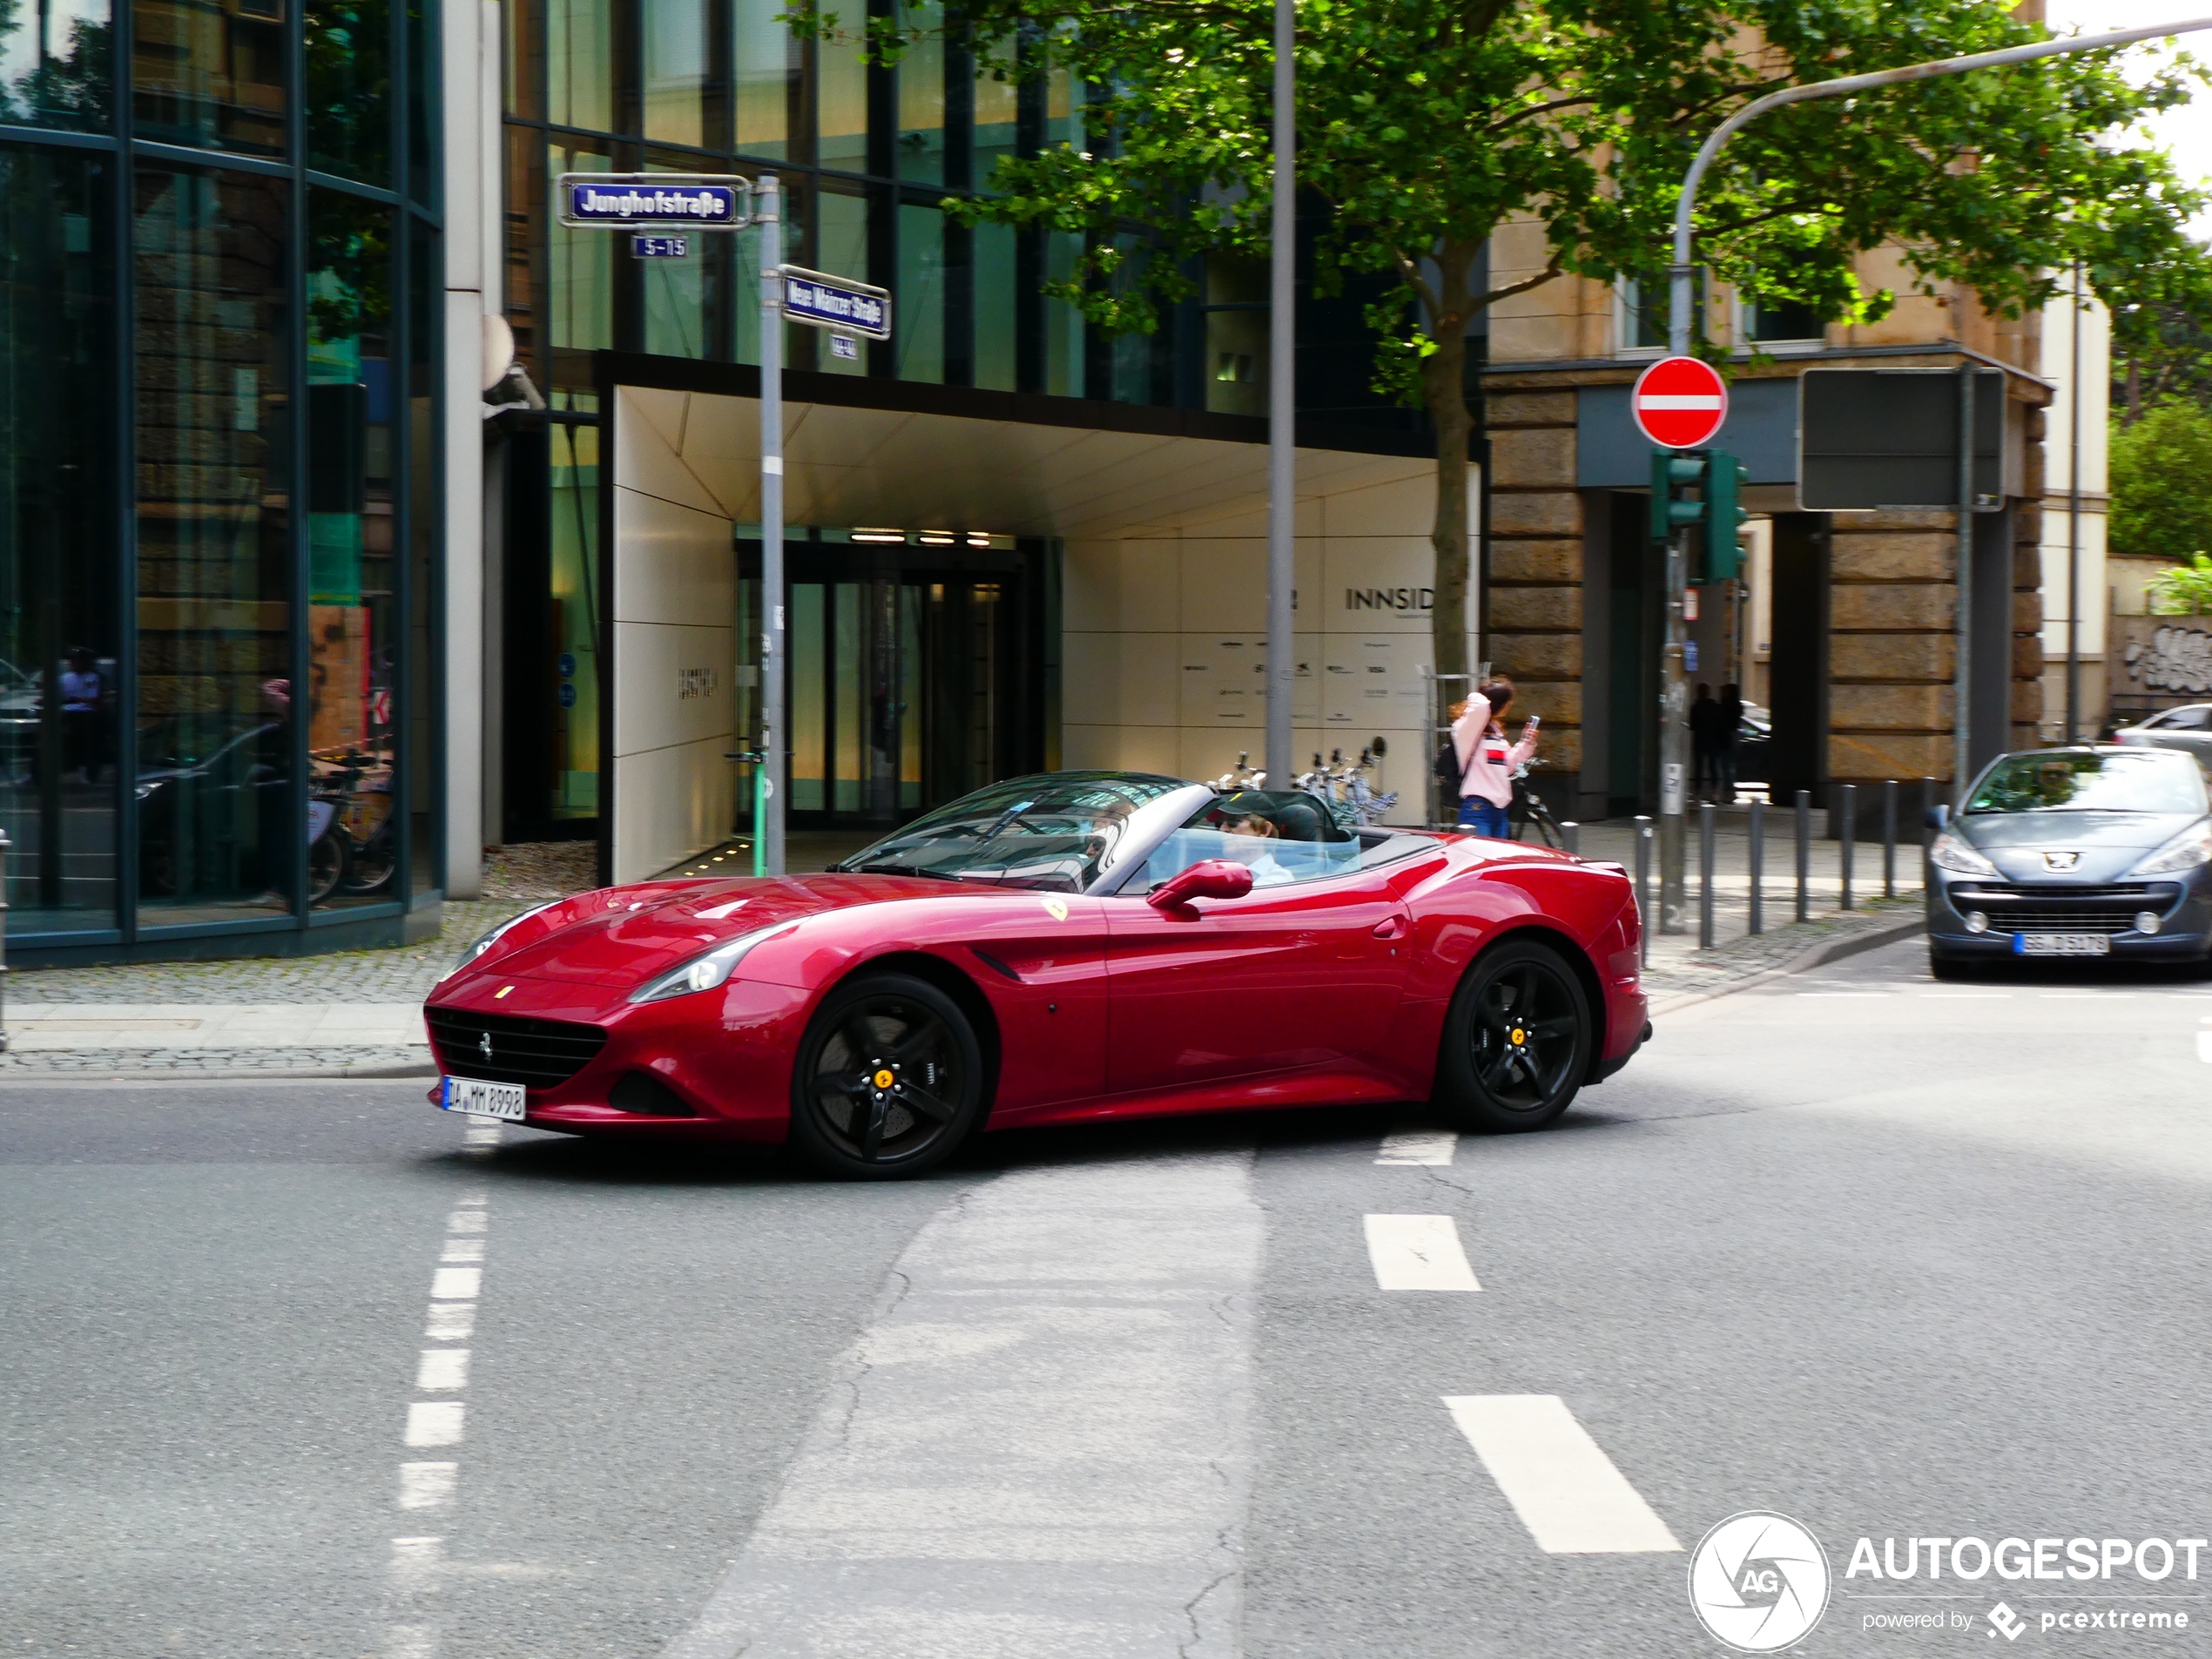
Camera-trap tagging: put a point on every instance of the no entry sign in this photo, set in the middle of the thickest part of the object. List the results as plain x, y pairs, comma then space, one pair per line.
1679, 402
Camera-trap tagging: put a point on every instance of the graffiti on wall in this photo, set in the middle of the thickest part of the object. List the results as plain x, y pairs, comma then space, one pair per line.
2163, 656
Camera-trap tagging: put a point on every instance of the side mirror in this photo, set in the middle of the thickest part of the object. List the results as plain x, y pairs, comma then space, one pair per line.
1207, 879
1938, 817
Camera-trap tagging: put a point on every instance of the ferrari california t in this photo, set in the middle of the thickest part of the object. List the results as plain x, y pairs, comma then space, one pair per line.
1080, 945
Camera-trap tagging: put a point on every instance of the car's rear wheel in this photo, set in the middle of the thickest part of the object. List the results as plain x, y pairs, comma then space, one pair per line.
889, 1080
1517, 1040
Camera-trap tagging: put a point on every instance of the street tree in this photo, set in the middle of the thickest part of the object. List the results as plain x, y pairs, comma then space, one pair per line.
1426, 125
2160, 476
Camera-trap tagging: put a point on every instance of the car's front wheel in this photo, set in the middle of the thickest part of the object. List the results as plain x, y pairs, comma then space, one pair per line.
1517, 1040
889, 1080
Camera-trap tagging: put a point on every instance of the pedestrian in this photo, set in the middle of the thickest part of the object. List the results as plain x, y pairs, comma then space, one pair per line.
1704, 738
1488, 760
1731, 727
82, 691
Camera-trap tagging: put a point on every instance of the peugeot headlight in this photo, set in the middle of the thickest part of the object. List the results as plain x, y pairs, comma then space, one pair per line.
498, 934
2191, 847
703, 973
1953, 853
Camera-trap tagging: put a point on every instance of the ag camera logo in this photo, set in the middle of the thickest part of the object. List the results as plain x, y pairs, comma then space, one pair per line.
1759, 1581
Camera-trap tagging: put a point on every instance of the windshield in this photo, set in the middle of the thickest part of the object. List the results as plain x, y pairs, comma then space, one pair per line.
2073, 782
1051, 831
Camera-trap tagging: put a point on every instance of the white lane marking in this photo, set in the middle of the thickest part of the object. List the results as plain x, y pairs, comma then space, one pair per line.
465, 1221
2204, 1045
462, 1250
451, 1321
410, 1642
1418, 1253
442, 1369
456, 1284
1428, 1147
1967, 997
1096, 1322
1844, 993
2089, 996
434, 1422
481, 1135
428, 1486
416, 1562
1557, 1478
474, 1195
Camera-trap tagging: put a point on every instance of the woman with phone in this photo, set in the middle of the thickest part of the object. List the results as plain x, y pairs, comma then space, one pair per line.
1488, 759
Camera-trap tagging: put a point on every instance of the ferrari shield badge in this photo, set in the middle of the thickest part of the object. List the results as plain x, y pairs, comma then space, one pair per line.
1056, 909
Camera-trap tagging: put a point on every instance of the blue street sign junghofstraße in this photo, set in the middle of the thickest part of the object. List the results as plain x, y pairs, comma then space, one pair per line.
616, 201
822, 301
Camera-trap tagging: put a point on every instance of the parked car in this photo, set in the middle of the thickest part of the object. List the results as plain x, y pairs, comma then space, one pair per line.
2188, 728
1244, 949
2091, 851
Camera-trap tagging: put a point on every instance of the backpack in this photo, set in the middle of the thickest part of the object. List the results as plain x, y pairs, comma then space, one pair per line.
1448, 770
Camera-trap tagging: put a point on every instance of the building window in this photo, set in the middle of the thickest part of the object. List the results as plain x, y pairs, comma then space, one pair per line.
60, 699
54, 64
1788, 323
918, 313
347, 55
210, 74
1641, 308
220, 830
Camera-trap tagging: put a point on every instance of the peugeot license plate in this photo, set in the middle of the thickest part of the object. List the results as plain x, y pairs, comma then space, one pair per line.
2061, 945
480, 1099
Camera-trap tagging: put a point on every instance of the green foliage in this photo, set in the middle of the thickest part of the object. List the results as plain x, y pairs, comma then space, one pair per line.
2162, 484
2184, 590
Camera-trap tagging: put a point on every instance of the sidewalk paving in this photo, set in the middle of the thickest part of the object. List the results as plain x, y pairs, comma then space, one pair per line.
359, 1013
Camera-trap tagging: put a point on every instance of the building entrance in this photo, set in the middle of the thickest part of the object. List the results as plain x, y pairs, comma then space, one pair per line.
906, 672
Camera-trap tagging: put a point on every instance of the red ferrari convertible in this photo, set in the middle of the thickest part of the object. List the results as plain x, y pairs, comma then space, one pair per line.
1074, 946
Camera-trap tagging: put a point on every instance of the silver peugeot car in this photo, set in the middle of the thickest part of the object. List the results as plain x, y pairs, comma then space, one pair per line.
2097, 851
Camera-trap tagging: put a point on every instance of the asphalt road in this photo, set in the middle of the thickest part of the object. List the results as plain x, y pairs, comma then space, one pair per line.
297, 1369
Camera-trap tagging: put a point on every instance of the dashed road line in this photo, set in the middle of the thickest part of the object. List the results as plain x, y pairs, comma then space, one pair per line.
2204, 1045
1558, 1480
1427, 1148
1418, 1253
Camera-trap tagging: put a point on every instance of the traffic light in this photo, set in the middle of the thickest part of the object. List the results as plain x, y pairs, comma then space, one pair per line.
1715, 510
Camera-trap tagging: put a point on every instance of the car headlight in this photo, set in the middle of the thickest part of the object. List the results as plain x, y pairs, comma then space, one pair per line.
1951, 852
704, 972
2185, 852
498, 934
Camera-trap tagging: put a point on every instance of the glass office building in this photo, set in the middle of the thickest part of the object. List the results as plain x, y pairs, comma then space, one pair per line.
913, 660
219, 425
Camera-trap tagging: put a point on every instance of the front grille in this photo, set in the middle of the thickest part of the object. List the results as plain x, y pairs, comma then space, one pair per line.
2030, 908
538, 1053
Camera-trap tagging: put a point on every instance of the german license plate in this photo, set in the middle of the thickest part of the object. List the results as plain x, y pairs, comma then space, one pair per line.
480, 1099
2061, 945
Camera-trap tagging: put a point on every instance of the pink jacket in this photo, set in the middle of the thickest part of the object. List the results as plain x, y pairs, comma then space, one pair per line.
1486, 760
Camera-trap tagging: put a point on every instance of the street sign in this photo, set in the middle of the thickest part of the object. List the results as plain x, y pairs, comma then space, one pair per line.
1875, 438
822, 301
644, 200
646, 246
1679, 402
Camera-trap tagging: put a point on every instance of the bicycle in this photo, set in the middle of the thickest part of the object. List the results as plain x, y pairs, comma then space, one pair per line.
1528, 808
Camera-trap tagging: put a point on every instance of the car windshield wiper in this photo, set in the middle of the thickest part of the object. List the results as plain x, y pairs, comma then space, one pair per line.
891, 867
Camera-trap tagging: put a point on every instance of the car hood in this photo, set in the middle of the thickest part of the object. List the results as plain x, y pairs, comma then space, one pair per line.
2105, 844
620, 936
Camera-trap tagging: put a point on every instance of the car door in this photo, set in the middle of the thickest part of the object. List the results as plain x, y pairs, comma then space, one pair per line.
1300, 972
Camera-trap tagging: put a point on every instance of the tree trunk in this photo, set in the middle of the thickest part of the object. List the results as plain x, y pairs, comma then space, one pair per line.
1444, 387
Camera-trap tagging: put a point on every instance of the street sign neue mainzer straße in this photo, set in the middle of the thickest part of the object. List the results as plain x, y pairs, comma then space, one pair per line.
823, 301
653, 200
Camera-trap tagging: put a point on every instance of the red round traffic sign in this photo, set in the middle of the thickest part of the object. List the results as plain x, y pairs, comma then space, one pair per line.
1679, 402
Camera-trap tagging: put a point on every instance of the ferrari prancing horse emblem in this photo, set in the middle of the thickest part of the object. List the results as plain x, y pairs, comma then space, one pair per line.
1056, 909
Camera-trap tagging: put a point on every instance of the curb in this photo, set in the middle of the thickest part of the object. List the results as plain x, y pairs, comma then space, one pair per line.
26, 1077
1816, 955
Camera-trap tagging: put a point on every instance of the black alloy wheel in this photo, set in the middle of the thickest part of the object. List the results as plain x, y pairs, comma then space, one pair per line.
889, 1080
1517, 1040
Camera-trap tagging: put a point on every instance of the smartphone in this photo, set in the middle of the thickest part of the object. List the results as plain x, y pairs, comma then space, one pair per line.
1535, 720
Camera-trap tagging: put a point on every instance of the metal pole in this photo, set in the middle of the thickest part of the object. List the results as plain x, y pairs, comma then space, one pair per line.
775, 742
1705, 875
1962, 746
1757, 861
1686, 204
1804, 853
1282, 408
1849, 841
1674, 747
2074, 517
1889, 838
1570, 837
4, 844
1643, 882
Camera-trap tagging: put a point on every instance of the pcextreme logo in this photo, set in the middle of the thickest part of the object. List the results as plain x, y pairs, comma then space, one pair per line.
1759, 1581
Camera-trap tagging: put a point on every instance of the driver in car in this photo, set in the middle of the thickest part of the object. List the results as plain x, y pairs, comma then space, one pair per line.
1252, 826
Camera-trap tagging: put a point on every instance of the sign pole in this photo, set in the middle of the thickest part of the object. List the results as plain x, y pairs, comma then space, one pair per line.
1674, 745
768, 830
1282, 409
1962, 759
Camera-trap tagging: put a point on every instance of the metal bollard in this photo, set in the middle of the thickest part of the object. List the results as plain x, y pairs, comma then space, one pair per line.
1849, 841
1705, 875
1889, 839
1804, 853
1643, 884
4, 844
1570, 837
1758, 864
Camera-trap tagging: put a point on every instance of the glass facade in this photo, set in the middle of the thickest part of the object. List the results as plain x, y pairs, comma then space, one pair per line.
220, 409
